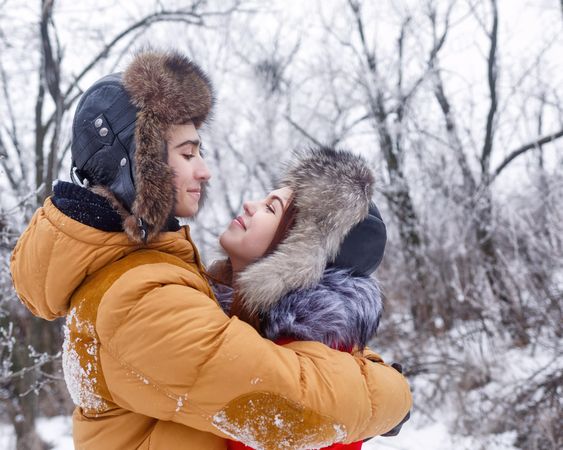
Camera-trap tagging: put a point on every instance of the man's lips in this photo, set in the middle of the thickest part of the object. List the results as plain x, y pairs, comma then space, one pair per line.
195, 192
240, 221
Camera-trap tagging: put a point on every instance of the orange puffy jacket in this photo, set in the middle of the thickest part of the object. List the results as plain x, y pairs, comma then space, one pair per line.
152, 361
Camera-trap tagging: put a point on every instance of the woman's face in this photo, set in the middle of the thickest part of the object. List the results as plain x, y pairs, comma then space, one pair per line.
248, 236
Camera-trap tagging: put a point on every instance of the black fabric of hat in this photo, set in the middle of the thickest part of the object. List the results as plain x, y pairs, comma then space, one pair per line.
363, 248
103, 145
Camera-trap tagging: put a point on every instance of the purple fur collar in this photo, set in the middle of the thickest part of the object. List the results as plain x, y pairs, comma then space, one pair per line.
341, 311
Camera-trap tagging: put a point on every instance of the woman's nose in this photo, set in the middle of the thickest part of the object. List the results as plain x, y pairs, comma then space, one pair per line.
249, 208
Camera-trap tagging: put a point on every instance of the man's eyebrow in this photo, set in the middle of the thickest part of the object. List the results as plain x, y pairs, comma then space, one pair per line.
194, 142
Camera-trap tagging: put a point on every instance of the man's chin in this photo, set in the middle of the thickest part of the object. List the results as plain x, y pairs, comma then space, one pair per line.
199, 206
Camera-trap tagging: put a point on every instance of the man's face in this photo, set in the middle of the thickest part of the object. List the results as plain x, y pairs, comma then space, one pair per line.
190, 170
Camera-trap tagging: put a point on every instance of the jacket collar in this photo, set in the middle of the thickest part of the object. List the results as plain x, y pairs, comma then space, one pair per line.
90, 209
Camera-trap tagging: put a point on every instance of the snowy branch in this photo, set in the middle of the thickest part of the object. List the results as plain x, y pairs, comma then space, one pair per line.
523, 149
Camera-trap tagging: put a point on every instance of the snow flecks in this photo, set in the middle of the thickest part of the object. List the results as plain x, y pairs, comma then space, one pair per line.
278, 421
180, 402
80, 362
340, 432
140, 377
241, 434
249, 433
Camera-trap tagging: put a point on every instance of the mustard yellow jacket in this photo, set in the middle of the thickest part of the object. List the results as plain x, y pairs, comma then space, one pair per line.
152, 362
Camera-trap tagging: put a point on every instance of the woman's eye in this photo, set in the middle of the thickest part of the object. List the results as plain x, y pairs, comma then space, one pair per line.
271, 209
188, 156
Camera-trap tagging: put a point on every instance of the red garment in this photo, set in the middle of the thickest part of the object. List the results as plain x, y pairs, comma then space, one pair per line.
234, 445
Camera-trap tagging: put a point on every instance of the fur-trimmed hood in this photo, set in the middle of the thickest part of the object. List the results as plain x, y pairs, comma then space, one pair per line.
341, 311
119, 135
332, 191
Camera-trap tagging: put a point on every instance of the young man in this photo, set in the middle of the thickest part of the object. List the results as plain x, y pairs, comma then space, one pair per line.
150, 359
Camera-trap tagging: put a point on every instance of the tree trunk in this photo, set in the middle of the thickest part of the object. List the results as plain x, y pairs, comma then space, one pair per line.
23, 407
512, 317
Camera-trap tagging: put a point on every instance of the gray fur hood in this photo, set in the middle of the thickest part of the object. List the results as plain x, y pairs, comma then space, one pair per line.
341, 311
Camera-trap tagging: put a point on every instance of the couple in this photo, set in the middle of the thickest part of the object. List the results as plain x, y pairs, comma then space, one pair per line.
153, 358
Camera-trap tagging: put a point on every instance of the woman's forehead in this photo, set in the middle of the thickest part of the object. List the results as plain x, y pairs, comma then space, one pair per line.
284, 193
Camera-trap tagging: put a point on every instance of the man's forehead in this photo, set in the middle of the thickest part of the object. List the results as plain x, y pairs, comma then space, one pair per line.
182, 132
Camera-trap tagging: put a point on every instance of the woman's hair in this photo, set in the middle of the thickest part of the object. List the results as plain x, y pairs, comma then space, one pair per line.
222, 271
286, 224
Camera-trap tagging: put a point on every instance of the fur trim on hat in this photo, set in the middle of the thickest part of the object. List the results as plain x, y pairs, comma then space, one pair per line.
332, 190
168, 89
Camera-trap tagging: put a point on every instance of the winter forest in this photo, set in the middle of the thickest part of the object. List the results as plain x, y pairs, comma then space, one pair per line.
456, 104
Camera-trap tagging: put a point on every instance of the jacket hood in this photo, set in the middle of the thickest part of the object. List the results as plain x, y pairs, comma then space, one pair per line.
56, 253
341, 311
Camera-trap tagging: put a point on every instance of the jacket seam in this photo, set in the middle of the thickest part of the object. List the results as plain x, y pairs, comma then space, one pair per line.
373, 408
196, 378
157, 386
54, 241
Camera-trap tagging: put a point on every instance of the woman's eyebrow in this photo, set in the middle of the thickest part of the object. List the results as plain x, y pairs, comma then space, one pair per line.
275, 197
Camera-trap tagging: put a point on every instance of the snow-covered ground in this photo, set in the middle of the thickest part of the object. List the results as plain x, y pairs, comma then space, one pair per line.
57, 431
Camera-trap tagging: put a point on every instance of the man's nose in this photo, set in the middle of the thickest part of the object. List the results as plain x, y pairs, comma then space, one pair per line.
202, 172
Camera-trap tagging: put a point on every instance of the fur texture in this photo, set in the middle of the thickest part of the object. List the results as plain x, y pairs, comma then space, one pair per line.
332, 190
341, 311
167, 88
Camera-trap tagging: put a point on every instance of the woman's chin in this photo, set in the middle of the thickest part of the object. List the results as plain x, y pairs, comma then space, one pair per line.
224, 241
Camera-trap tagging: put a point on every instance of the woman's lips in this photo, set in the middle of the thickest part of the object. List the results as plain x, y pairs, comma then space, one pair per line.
239, 220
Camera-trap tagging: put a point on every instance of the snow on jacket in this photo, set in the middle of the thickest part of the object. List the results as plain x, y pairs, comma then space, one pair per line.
153, 362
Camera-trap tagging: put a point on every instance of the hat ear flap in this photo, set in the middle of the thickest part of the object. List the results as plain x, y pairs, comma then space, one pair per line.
154, 178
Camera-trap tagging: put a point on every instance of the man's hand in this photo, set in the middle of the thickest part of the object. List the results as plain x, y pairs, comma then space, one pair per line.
395, 431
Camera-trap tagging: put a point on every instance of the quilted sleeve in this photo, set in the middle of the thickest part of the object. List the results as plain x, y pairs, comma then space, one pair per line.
168, 351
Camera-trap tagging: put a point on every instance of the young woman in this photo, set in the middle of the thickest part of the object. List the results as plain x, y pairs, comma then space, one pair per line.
299, 260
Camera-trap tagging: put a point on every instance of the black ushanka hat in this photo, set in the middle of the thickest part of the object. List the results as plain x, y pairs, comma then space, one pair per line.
119, 127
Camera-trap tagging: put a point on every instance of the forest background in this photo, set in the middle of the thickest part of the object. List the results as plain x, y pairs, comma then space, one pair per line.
457, 106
